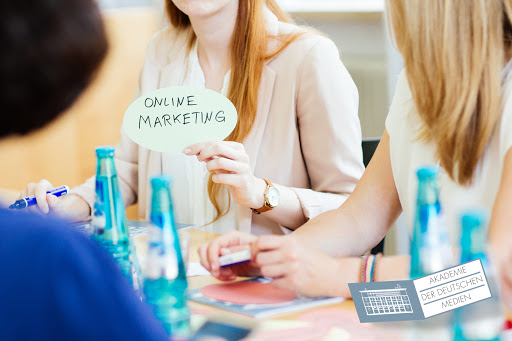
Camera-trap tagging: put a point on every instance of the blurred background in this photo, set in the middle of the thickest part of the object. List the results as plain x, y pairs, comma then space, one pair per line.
63, 152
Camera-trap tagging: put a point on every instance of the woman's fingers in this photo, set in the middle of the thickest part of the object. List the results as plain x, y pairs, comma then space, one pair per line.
40, 194
54, 203
29, 189
227, 165
234, 180
39, 191
213, 249
270, 242
227, 149
264, 258
282, 283
202, 256
276, 270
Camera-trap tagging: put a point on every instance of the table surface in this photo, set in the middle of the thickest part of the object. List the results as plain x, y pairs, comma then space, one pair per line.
198, 238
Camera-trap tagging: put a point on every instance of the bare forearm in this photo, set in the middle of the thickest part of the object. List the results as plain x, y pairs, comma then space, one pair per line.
338, 233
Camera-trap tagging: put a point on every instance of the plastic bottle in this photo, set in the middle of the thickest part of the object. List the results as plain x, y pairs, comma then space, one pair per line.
481, 320
109, 217
165, 279
430, 250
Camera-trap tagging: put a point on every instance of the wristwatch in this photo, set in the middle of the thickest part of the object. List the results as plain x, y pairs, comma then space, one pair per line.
271, 196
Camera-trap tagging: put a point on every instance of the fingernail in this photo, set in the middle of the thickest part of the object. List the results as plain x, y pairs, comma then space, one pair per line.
187, 151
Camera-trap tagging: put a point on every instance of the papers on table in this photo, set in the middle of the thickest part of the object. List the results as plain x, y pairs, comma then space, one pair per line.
196, 269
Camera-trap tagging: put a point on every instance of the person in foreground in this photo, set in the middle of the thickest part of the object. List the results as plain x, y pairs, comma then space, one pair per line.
298, 132
452, 107
56, 283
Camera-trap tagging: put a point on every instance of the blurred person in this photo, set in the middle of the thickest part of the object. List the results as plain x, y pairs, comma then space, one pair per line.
452, 107
56, 284
298, 135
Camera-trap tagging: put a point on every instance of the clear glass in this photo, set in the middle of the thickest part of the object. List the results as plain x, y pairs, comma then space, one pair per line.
164, 275
109, 218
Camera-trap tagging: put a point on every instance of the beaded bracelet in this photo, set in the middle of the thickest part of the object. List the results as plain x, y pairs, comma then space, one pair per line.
369, 268
367, 263
363, 265
377, 258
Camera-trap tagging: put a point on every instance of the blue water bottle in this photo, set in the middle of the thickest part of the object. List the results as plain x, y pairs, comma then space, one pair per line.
109, 217
481, 320
165, 278
430, 250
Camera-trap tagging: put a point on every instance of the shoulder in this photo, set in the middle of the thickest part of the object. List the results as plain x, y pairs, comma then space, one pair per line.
402, 119
308, 53
403, 95
166, 42
308, 43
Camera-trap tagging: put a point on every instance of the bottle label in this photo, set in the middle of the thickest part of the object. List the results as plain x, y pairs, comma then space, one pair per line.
161, 260
98, 221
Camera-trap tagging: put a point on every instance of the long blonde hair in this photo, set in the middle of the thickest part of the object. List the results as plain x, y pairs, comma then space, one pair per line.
454, 52
248, 55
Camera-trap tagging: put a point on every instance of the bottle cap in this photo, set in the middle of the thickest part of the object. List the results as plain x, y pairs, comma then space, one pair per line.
161, 180
427, 172
105, 151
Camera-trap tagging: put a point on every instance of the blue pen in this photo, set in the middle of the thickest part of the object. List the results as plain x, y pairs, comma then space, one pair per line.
30, 201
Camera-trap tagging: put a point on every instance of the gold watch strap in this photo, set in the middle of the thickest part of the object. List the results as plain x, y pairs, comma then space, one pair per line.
266, 207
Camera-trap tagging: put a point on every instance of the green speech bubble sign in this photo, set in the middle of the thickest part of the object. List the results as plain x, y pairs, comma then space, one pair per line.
170, 119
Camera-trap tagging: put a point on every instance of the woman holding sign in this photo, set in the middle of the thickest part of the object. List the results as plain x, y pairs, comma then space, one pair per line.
296, 149
452, 107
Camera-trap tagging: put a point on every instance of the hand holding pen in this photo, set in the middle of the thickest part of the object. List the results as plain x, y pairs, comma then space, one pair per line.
69, 206
31, 200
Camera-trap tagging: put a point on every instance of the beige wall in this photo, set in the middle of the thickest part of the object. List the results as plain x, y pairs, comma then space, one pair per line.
63, 152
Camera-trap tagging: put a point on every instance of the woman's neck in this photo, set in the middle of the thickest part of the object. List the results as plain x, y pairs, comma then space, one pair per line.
214, 34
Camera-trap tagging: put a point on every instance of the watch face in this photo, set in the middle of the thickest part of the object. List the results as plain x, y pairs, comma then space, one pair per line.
273, 196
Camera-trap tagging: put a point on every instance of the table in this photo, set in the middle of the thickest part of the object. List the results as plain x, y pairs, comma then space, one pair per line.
387, 331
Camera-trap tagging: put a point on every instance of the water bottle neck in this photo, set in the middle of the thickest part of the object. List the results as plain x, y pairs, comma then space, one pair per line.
105, 166
473, 241
161, 207
428, 192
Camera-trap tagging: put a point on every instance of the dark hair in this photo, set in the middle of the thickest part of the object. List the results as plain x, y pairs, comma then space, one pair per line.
49, 51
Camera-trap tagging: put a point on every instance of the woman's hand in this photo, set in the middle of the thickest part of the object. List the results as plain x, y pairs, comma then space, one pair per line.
70, 206
296, 267
230, 242
231, 165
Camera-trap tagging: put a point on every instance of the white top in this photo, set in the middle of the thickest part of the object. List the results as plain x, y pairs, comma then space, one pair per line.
189, 190
408, 154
